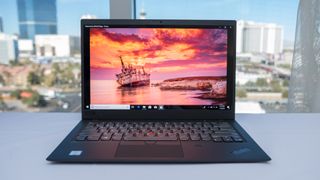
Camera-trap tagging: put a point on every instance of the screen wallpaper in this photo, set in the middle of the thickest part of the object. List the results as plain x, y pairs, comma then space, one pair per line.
163, 66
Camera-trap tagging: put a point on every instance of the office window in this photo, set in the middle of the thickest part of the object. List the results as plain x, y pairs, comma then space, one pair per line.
265, 39
40, 48
40, 53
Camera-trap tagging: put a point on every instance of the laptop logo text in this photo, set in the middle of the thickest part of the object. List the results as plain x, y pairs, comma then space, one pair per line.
241, 151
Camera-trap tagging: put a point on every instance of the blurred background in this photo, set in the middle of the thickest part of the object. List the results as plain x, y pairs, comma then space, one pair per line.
40, 48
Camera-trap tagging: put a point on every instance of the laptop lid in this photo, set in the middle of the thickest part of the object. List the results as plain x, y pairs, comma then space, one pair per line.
158, 69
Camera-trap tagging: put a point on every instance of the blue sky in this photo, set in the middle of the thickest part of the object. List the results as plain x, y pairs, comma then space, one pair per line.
282, 12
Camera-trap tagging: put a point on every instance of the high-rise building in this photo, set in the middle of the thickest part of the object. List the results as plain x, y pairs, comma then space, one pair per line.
1, 25
8, 48
57, 45
37, 17
26, 48
253, 37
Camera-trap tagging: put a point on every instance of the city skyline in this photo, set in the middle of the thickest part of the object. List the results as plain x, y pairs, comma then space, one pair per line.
267, 12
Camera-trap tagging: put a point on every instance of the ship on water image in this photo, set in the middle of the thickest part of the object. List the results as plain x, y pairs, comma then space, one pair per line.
132, 76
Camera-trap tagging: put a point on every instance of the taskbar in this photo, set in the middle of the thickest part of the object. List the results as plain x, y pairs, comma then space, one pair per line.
155, 107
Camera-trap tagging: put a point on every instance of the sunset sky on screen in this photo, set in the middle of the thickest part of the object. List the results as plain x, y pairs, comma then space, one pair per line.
164, 52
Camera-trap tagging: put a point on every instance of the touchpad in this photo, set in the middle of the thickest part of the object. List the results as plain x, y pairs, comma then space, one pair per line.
149, 149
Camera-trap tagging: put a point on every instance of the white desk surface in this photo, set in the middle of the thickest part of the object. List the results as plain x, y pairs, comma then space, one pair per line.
291, 140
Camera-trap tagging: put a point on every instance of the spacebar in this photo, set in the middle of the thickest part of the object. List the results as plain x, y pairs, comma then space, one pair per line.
150, 138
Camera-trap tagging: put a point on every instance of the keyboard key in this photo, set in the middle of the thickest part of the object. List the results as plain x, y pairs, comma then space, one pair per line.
238, 139
227, 139
106, 136
161, 134
150, 138
205, 137
113, 130
194, 137
81, 138
217, 139
117, 136
183, 137
93, 137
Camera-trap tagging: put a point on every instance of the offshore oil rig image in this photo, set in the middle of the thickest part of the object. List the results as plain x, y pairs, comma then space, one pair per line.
132, 76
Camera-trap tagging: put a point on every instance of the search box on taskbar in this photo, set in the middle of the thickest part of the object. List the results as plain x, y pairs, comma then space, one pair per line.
110, 106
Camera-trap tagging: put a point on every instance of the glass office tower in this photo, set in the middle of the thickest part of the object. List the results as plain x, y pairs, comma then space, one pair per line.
37, 17
1, 25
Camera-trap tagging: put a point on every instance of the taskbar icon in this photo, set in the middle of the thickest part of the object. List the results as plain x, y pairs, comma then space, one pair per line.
146, 107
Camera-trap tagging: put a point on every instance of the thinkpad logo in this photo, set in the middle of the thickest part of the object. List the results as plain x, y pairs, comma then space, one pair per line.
241, 151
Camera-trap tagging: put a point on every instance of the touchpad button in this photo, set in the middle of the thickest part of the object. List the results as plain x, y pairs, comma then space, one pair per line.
149, 149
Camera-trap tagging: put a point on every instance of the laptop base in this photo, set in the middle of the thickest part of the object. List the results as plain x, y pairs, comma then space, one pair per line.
71, 151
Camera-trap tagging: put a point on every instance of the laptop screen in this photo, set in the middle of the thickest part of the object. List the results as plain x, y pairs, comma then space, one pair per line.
158, 68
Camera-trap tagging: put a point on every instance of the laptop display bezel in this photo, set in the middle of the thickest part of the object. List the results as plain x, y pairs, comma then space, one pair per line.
171, 114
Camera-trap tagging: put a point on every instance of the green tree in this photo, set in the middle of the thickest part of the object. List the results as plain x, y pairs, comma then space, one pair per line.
2, 81
56, 68
7, 76
241, 93
285, 66
49, 80
36, 100
68, 76
16, 94
262, 82
3, 105
275, 85
14, 63
285, 94
250, 84
285, 83
33, 78
57, 73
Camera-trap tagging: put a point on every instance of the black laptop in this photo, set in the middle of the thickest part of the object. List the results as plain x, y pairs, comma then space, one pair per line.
158, 91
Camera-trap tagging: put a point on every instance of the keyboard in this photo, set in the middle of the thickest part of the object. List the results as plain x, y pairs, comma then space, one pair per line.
220, 131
